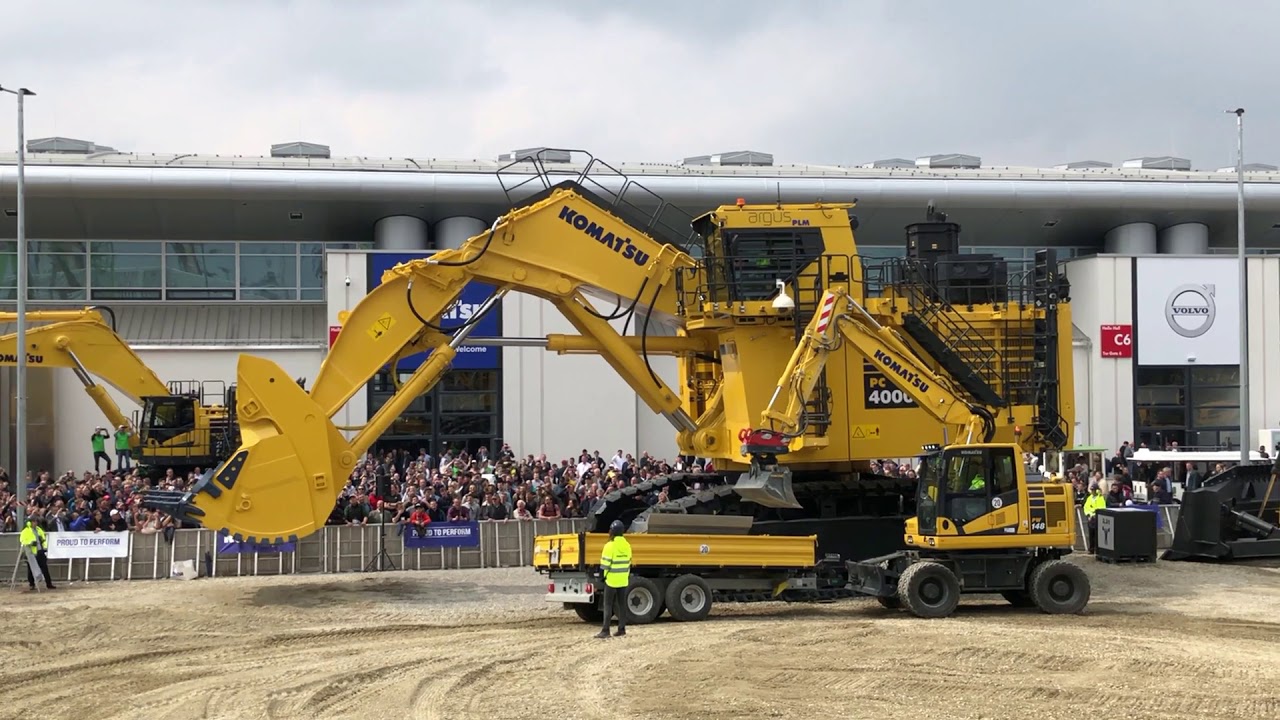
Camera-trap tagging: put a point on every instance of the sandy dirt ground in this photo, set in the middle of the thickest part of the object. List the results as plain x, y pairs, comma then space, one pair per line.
1171, 640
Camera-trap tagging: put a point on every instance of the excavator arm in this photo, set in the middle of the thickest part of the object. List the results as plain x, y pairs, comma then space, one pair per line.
564, 245
84, 342
840, 318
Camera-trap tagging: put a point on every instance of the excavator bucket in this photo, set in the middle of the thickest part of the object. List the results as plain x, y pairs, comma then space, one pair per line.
767, 487
283, 481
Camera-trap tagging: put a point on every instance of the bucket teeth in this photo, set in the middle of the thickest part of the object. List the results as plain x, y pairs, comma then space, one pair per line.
176, 503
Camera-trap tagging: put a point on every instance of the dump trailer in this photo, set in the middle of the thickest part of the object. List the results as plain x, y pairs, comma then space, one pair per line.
684, 574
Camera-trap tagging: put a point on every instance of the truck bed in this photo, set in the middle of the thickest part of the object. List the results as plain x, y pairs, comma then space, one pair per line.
565, 552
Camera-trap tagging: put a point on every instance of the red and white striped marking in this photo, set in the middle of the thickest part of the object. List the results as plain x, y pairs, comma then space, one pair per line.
824, 314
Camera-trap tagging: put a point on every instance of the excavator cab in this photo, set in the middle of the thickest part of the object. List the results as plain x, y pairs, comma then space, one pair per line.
979, 496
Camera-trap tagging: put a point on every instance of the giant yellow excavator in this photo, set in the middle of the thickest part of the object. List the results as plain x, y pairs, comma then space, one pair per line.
729, 294
177, 427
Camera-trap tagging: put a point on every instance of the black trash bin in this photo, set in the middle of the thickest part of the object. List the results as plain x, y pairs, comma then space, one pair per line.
1126, 535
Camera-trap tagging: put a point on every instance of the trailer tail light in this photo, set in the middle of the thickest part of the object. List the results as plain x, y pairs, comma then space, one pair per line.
590, 589
551, 588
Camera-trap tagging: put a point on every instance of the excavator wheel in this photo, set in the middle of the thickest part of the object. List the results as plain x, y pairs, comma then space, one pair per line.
644, 601
1059, 587
929, 590
1019, 598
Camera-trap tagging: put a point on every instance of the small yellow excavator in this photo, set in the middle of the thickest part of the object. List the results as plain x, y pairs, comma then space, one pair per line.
982, 525
177, 426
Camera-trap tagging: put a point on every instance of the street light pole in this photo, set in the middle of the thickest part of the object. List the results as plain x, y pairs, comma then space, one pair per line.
1245, 442
20, 452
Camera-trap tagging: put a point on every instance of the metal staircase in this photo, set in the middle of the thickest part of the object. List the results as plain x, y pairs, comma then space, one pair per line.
965, 352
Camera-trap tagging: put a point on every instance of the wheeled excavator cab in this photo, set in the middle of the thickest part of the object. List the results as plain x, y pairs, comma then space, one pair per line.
980, 496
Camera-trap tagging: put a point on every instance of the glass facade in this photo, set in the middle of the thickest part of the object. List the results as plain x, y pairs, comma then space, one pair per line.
464, 410
105, 270
1196, 407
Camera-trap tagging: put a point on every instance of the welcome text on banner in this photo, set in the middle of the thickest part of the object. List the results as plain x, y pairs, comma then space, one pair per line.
66, 544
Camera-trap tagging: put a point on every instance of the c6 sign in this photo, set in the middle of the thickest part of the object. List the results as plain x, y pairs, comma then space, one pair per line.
1117, 341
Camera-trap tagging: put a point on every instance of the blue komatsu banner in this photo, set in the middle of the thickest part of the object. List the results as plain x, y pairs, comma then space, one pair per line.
228, 546
469, 357
444, 534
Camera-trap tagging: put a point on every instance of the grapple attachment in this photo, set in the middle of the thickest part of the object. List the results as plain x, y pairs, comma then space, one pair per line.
767, 486
767, 483
283, 481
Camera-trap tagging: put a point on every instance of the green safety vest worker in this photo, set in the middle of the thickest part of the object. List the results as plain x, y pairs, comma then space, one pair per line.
977, 483
99, 442
122, 440
615, 562
33, 537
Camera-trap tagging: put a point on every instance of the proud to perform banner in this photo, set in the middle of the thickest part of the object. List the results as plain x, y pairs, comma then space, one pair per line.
65, 544
440, 535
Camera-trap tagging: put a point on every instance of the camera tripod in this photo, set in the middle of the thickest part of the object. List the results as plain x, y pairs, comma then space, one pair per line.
381, 558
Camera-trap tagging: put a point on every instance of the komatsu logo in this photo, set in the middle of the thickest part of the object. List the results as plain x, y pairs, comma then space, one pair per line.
895, 367
13, 358
616, 243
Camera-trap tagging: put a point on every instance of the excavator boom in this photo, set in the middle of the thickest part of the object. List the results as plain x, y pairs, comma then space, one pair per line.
841, 318
563, 245
83, 342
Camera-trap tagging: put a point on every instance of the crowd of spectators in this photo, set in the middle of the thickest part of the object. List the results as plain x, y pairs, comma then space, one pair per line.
106, 501
413, 490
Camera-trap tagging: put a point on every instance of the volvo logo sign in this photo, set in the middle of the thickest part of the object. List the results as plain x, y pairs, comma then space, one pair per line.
1190, 310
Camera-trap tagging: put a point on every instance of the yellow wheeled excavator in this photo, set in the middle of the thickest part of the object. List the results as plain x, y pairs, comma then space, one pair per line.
982, 525
177, 426
729, 294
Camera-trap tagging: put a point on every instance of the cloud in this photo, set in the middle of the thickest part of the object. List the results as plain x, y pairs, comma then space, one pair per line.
819, 82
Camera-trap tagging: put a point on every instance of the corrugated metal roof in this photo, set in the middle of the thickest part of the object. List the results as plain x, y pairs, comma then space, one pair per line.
178, 325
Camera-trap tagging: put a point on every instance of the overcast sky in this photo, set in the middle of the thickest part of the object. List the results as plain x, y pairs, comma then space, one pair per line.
1018, 83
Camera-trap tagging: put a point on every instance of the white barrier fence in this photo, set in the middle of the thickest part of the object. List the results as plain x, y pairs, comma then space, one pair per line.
334, 549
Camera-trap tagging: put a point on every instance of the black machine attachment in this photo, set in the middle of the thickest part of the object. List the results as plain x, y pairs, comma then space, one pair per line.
1233, 516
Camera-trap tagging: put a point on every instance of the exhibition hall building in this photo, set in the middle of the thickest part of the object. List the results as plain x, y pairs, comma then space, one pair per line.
201, 258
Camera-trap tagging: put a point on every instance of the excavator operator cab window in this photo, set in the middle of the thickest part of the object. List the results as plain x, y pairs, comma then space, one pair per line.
164, 418
755, 258
930, 493
969, 482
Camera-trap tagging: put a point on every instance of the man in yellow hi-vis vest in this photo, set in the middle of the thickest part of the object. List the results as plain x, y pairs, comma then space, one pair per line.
615, 564
33, 538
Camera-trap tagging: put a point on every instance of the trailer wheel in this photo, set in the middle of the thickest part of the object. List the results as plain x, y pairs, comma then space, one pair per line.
929, 590
689, 598
644, 601
1060, 587
1019, 598
890, 601
588, 612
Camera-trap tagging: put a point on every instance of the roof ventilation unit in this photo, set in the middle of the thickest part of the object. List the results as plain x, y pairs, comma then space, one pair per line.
543, 154
1163, 162
65, 146
890, 163
299, 149
950, 161
737, 158
1083, 165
